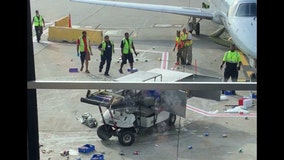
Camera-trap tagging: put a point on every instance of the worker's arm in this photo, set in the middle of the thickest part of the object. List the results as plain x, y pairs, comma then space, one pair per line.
90, 48
134, 49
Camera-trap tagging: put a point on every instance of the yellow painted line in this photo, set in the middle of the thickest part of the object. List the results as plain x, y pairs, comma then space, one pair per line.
243, 58
249, 73
242, 80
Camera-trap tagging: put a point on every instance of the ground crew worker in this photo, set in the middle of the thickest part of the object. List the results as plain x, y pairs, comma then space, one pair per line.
38, 23
233, 62
186, 37
84, 50
107, 49
127, 49
179, 45
205, 5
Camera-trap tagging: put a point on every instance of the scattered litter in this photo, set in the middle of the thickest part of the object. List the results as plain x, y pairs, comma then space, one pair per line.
97, 157
237, 109
87, 148
228, 93
246, 118
206, 134
223, 98
157, 145
64, 153
224, 135
121, 153
136, 152
133, 70
240, 150
253, 95
72, 70
89, 120
189, 147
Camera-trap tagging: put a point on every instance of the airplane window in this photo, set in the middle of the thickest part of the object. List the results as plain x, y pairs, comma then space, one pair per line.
246, 10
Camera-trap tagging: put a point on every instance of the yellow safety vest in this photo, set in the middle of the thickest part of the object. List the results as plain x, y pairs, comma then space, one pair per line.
184, 36
179, 43
104, 47
38, 21
232, 57
126, 46
82, 44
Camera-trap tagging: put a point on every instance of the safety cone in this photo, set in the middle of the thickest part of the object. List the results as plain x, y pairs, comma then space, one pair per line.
69, 21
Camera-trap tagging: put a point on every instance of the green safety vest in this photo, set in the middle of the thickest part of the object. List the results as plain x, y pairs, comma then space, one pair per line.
82, 46
232, 57
184, 36
126, 46
179, 43
104, 47
38, 21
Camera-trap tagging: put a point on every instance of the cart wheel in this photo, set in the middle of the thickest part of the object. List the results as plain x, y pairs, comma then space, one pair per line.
104, 132
172, 119
126, 137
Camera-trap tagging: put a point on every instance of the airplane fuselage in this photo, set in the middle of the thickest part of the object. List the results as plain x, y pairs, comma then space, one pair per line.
240, 20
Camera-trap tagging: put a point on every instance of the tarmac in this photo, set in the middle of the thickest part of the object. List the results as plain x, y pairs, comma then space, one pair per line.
207, 131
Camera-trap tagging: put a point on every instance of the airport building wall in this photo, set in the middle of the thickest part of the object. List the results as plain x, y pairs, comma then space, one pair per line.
63, 32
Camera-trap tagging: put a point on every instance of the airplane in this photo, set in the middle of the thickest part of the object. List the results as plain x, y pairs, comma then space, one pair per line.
237, 17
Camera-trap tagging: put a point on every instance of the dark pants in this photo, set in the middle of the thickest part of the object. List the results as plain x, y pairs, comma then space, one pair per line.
106, 59
180, 58
39, 31
231, 71
82, 58
126, 57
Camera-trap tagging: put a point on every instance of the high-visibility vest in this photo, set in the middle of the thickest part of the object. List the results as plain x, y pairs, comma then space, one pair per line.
179, 43
82, 44
126, 46
232, 57
104, 47
185, 36
38, 21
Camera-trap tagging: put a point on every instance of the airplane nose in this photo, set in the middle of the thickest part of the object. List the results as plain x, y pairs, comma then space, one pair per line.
247, 36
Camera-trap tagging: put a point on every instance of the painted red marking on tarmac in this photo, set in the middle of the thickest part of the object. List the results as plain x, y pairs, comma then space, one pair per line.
200, 111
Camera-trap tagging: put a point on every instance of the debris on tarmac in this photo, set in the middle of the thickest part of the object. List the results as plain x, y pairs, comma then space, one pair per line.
121, 153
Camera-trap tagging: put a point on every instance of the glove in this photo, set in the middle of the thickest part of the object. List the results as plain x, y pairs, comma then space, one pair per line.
136, 54
239, 68
221, 67
78, 54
